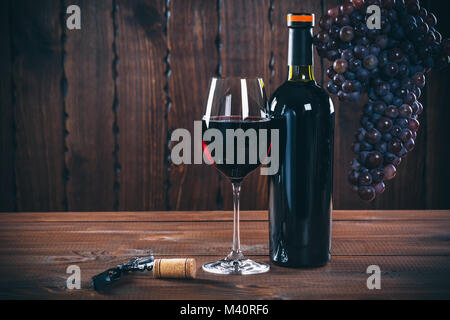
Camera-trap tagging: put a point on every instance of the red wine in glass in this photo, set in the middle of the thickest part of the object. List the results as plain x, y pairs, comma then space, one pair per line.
229, 164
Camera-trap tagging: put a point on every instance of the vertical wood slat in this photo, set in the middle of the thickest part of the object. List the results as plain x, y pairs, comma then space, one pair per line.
436, 106
7, 184
244, 25
37, 69
193, 59
89, 107
141, 49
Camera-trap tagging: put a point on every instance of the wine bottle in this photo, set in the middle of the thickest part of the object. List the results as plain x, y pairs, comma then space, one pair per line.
300, 194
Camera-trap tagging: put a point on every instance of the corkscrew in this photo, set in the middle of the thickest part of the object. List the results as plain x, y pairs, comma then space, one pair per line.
161, 268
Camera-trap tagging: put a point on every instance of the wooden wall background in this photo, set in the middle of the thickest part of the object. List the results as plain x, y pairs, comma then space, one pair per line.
86, 115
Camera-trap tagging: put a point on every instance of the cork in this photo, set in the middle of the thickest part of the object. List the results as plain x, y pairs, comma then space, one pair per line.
174, 268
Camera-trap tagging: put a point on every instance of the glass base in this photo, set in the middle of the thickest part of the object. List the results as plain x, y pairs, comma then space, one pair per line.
236, 264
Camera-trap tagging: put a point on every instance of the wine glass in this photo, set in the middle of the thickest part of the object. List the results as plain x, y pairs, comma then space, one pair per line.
236, 110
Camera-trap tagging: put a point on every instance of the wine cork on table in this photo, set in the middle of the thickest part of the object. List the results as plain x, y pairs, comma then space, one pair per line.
174, 268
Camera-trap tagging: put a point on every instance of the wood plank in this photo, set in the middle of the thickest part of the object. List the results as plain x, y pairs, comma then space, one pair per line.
413, 255
343, 278
193, 60
141, 49
89, 107
244, 55
437, 116
37, 69
173, 216
64, 240
7, 130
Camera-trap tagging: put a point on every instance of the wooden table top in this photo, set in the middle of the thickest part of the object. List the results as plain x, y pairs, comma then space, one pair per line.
410, 247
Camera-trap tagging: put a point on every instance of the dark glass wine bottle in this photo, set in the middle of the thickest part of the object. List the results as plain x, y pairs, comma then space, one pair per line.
300, 194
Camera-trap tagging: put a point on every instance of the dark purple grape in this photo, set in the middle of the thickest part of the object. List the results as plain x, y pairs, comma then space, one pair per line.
332, 88
330, 72
379, 107
323, 37
419, 79
325, 22
396, 55
373, 136
347, 8
382, 147
362, 74
430, 38
358, 3
402, 123
360, 30
389, 172
379, 188
342, 20
360, 51
391, 158
347, 33
431, 19
384, 125
354, 65
342, 96
387, 137
348, 86
382, 89
412, 7
347, 54
334, 32
377, 175
340, 66
338, 79
409, 98
417, 108
382, 41
413, 125
405, 111
333, 45
356, 147
370, 62
410, 144
367, 193
333, 55
391, 112
355, 165
423, 28
374, 160
405, 135
395, 146
365, 179
333, 12
391, 69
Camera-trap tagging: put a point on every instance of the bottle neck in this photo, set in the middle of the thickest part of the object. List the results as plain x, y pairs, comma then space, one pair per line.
300, 55
301, 73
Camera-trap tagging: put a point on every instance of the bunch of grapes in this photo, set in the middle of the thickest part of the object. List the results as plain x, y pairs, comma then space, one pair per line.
389, 65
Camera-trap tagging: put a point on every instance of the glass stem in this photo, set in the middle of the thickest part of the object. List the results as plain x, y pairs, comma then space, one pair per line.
236, 237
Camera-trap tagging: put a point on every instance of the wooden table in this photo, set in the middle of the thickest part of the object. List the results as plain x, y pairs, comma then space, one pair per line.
411, 248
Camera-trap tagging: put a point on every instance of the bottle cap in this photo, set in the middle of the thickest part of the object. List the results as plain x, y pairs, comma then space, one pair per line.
300, 20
